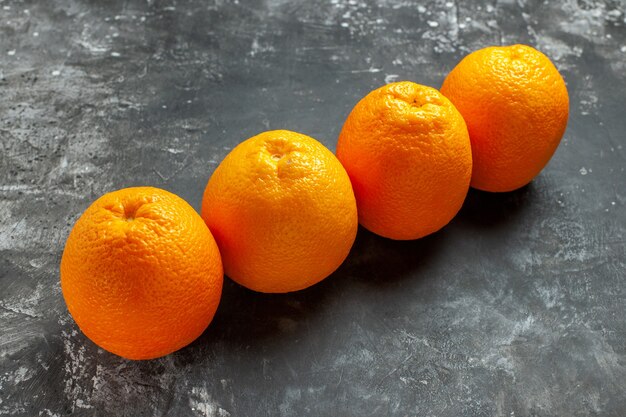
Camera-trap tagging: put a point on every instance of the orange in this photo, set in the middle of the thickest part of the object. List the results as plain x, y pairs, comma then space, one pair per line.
515, 104
282, 211
141, 273
407, 152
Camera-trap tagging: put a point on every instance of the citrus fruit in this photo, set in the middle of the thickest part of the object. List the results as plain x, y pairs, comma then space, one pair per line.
282, 211
141, 273
515, 104
407, 152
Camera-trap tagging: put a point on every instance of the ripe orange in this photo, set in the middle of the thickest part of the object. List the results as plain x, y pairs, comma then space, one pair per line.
282, 211
515, 104
141, 273
407, 151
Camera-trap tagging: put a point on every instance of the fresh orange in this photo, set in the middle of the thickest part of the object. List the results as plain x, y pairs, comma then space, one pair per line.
515, 104
282, 211
141, 273
407, 152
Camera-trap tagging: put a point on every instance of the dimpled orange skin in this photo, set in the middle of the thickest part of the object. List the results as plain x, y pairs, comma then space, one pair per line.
407, 151
141, 273
282, 211
515, 104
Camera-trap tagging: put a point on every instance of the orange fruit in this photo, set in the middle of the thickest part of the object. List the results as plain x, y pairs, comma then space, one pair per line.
515, 104
141, 273
407, 152
282, 211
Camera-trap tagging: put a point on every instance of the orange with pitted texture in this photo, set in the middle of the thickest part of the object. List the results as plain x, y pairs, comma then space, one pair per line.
141, 273
515, 104
407, 151
282, 211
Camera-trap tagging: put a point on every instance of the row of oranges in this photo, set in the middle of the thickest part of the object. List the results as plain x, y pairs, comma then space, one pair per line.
142, 273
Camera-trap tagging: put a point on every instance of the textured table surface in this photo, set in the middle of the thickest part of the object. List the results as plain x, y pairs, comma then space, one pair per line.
517, 308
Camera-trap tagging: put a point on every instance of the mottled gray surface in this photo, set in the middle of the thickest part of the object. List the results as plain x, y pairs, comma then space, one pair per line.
517, 308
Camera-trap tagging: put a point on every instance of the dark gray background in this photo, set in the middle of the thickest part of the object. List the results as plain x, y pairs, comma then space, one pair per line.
517, 308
